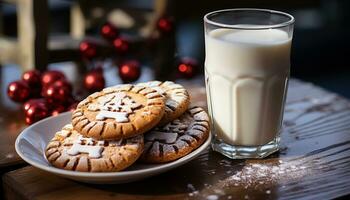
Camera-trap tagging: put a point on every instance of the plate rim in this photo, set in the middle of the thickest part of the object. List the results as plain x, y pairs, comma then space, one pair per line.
52, 169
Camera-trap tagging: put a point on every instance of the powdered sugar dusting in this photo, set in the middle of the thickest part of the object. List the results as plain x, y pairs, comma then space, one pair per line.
266, 173
260, 176
212, 197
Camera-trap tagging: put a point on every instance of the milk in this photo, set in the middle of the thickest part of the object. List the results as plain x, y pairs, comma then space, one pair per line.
246, 77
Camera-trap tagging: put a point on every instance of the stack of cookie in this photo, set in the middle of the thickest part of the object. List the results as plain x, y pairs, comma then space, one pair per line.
110, 130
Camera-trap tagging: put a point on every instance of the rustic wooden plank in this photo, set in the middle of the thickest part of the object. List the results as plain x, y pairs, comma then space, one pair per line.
41, 31
10, 127
313, 162
8, 49
26, 34
32, 34
77, 21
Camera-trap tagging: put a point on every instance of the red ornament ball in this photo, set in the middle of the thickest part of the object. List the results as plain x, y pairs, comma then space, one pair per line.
18, 91
129, 71
35, 92
50, 77
70, 101
109, 31
72, 107
88, 49
94, 81
31, 102
165, 24
32, 78
121, 45
56, 94
98, 69
64, 83
187, 67
35, 113
57, 110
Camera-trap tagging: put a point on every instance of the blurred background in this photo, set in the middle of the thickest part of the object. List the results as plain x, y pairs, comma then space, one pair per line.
138, 40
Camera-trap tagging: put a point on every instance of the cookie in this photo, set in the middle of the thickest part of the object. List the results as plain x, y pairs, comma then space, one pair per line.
71, 151
177, 138
176, 96
118, 112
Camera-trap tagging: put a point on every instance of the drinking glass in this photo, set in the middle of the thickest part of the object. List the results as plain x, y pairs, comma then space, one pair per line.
247, 66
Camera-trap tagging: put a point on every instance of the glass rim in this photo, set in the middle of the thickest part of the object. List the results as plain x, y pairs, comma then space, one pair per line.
249, 27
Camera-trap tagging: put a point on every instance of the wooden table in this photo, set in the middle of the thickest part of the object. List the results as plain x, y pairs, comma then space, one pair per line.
314, 163
11, 124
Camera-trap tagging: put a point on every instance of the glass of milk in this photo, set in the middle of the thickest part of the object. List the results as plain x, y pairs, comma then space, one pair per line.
247, 68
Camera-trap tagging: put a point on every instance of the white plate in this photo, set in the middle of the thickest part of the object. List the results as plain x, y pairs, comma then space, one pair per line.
31, 144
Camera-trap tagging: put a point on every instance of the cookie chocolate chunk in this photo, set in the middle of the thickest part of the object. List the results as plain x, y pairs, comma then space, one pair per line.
177, 138
118, 112
176, 96
71, 151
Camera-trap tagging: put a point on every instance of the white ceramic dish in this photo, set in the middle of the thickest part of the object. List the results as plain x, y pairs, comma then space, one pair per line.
31, 144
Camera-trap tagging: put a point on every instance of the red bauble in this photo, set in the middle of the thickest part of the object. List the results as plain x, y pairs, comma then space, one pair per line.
88, 49
56, 93
70, 101
18, 91
35, 92
32, 78
64, 83
57, 110
187, 67
35, 113
165, 24
31, 102
72, 107
109, 31
121, 45
129, 71
94, 81
98, 69
50, 77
